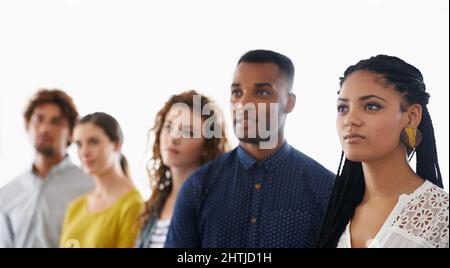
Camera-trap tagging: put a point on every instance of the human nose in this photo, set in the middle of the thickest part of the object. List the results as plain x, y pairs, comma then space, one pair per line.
352, 119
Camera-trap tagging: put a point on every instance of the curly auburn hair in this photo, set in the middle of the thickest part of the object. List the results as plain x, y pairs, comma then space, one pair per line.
158, 172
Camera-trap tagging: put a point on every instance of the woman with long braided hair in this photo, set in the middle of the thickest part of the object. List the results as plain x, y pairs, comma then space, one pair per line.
378, 200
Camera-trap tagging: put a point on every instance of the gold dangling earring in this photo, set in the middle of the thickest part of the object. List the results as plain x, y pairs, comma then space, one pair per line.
411, 137
411, 132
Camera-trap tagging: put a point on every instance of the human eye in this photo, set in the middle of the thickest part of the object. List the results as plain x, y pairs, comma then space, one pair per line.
56, 121
236, 93
93, 141
372, 106
342, 108
262, 92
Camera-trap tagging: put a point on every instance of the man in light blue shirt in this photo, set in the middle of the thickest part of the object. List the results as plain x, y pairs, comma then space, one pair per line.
32, 206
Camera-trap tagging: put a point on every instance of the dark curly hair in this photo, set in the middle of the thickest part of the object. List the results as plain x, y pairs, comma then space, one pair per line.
57, 97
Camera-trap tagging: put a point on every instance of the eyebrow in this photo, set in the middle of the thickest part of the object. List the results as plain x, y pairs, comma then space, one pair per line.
88, 139
263, 84
364, 98
37, 114
235, 85
52, 118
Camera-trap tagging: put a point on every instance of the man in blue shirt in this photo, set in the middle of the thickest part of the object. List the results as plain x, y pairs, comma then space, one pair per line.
264, 193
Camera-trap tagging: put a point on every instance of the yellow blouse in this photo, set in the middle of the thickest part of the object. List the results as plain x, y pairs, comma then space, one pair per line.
114, 227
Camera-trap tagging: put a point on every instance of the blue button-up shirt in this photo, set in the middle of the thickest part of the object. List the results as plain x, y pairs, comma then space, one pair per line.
236, 201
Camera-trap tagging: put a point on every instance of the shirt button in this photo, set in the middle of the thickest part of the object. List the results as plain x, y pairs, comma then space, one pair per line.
253, 220
258, 186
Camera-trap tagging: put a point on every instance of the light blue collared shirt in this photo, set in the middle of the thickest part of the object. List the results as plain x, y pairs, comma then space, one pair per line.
32, 209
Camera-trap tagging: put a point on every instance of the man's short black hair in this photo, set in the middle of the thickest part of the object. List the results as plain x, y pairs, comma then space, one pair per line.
267, 56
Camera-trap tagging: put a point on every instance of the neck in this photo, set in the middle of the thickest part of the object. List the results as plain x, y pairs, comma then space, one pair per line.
389, 177
110, 181
43, 164
179, 176
260, 154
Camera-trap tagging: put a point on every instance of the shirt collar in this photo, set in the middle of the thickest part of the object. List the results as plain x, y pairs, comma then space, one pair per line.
63, 164
269, 162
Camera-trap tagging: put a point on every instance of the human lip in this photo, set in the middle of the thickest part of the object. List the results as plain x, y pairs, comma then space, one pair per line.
172, 150
353, 138
43, 138
89, 162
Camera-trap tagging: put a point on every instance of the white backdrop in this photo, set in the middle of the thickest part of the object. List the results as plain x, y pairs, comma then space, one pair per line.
127, 57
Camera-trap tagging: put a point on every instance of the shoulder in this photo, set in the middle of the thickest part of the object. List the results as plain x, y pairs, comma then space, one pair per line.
202, 180
426, 215
433, 198
75, 171
211, 169
17, 186
132, 197
438, 202
74, 180
135, 198
76, 205
219, 163
310, 167
17, 181
132, 201
78, 202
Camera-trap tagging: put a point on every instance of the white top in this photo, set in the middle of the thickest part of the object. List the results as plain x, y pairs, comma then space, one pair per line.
32, 209
159, 234
418, 220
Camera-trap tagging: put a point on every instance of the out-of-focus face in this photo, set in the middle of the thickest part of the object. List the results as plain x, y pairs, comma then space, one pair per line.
258, 84
178, 146
96, 151
49, 130
369, 120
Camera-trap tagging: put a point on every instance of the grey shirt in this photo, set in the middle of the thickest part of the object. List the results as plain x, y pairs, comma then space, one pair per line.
32, 209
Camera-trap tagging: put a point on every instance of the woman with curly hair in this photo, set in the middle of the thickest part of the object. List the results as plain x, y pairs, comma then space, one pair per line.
178, 150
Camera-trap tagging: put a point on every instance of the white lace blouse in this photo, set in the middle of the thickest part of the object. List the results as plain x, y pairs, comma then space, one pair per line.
418, 220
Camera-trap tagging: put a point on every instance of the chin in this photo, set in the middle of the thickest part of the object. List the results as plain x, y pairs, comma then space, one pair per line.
356, 156
254, 141
180, 164
89, 171
169, 162
173, 164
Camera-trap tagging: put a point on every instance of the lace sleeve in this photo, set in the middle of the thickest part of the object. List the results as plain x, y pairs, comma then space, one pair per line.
426, 217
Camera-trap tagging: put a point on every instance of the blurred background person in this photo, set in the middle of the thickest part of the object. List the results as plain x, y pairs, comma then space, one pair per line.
176, 155
32, 206
107, 216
